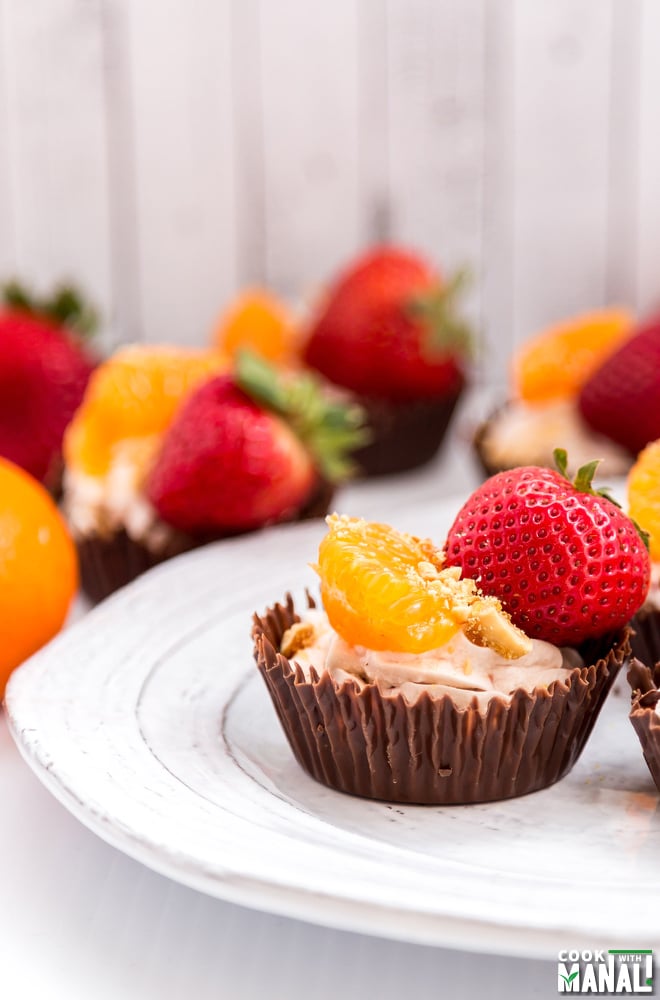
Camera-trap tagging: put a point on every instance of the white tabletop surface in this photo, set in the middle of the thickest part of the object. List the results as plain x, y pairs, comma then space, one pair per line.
81, 921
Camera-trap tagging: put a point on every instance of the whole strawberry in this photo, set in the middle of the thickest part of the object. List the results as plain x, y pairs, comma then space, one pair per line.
622, 399
565, 561
250, 449
388, 330
43, 374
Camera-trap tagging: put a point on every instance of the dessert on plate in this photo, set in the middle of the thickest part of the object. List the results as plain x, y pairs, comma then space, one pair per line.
621, 399
464, 674
44, 368
548, 373
644, 672
388, 331
172, 449
644, 508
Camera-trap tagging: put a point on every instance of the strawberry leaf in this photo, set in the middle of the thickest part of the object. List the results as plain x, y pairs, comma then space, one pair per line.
585, 475
561, 461
65, 307
330, 428
584, 483
446, 331
644, 535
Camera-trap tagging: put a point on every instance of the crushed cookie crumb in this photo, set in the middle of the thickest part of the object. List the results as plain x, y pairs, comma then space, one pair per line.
299, 636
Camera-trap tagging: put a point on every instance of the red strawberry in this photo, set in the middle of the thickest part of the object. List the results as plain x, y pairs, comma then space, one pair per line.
232, 461
388, 330
43, 374
565, 562
622, 399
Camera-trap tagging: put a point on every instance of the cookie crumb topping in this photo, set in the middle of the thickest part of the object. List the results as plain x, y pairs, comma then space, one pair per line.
299, 636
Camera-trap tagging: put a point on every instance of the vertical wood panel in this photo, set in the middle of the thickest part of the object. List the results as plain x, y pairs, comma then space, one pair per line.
180, 54
623, 155
436, 130
249, 143
57, 142
7, 239
498, 307
649, 158
125, 317
373, 153
310, 86
562, 100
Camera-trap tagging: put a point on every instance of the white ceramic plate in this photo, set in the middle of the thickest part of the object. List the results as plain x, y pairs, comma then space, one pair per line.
149, 721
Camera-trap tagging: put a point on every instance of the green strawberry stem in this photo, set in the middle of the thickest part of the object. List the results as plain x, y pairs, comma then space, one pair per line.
65, 307
446, 331
584, 483
330, 429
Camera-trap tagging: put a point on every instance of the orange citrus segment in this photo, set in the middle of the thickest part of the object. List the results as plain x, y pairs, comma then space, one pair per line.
557, 362
644, 495
134, 394
257, 321
386, 590
38, 568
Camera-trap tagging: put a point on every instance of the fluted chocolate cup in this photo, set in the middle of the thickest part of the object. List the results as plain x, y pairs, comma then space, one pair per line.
645, 640
644, 680
404, 436
110, 561
360, 739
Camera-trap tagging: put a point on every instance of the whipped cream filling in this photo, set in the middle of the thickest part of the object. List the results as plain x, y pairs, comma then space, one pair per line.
466, 672
526, 434
103, 505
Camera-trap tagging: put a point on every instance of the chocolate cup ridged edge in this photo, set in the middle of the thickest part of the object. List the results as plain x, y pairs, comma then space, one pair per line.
365, 742
644, 680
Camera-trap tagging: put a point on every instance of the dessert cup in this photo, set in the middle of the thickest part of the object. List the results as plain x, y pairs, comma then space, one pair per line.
404, 436
644, 681
358, 738
110, 560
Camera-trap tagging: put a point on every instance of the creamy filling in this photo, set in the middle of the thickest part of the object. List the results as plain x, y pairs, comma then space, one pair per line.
466, 672
525, 434
103, 505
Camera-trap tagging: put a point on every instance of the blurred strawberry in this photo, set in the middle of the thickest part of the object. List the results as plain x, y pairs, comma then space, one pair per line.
389, 329
43, 373
249, 449
622, 398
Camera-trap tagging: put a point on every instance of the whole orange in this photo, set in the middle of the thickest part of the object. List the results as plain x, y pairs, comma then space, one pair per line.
38, 568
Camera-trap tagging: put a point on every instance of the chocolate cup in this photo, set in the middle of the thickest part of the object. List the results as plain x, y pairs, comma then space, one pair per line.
644, 680
368, 742
108, 562
404, 436
645, 641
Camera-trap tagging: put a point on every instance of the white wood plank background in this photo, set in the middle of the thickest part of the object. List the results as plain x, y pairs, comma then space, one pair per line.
166, 152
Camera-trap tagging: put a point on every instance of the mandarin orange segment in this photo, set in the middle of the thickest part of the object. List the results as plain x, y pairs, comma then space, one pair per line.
134, 394
644, 495
260, 322
386, 590
38, 568
557, 362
